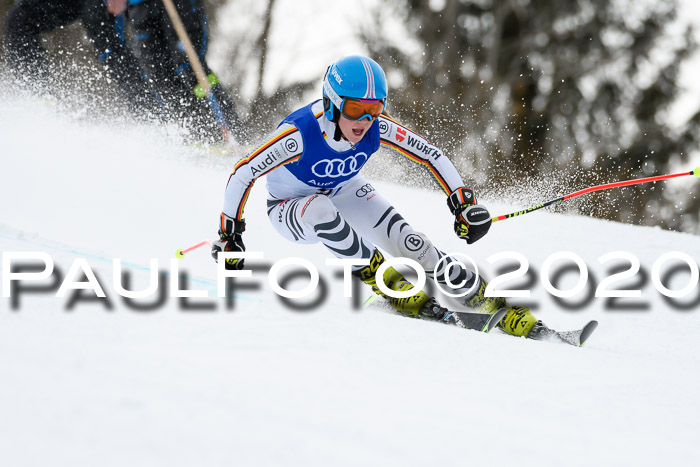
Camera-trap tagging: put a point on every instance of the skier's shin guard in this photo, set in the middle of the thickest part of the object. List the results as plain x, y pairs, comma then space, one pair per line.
395, 281
518, 320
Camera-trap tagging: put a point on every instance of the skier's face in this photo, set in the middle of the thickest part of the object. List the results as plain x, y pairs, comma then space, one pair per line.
354, 130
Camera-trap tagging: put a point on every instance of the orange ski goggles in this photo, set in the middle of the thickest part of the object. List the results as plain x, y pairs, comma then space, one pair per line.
357, 109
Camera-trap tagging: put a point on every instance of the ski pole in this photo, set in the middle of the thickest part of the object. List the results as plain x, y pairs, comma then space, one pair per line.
197, 67
606, 186
180, 253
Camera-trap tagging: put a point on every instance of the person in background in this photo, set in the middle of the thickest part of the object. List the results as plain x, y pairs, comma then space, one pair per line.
163, 58
29, 61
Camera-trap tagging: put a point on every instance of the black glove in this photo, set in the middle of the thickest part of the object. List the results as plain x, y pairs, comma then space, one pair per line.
472, 221
230, 239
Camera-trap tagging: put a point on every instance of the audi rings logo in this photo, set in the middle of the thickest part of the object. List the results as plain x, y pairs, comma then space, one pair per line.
291, 145
335, 168
364, 190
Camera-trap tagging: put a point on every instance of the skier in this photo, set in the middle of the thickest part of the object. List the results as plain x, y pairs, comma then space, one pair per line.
27, 58
316, 194
163, 58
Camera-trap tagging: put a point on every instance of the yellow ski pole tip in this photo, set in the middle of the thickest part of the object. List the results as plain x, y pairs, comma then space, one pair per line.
696, 172
179, 253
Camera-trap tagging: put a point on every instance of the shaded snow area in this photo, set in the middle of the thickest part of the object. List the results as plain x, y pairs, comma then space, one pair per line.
110, 382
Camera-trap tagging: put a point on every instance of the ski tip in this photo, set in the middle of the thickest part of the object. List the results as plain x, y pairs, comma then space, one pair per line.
371, 299
587, 331
495, 319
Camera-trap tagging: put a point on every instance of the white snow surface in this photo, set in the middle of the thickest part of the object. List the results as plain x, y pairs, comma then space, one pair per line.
261, 385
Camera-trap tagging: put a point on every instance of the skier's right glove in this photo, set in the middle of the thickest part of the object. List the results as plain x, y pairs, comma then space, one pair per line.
230, 239
472, 221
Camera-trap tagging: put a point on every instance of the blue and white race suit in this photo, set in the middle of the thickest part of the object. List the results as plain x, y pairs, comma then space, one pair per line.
316, 192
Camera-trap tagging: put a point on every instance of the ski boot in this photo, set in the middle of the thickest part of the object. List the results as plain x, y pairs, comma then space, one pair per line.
419, 305
518, 320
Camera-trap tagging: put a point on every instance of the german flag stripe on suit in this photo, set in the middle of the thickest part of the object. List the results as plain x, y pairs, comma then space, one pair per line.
251, 157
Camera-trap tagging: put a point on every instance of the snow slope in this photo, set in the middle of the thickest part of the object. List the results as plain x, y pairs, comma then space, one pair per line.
263, 385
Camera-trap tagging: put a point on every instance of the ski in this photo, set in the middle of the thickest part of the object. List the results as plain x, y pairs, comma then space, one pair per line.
576, 338
483, 322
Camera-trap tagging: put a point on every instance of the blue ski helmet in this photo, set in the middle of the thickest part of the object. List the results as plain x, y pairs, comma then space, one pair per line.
354, 76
